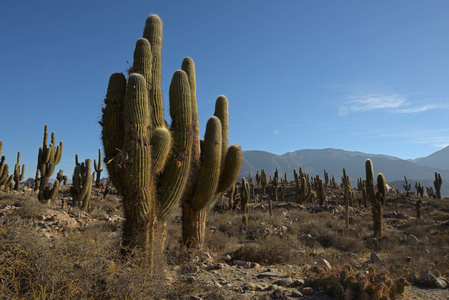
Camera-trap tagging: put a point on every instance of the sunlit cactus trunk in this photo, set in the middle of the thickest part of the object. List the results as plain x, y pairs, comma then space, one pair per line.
377, 199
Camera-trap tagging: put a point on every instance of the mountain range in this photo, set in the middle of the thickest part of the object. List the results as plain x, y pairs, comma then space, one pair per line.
314, 161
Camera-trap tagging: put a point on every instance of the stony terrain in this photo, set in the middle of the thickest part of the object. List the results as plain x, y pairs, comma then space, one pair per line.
51, 251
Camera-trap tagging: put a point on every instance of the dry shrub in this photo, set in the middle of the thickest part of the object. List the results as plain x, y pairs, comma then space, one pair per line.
272, 250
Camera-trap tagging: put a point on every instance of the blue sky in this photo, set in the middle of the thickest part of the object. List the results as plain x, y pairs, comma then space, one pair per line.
368, 76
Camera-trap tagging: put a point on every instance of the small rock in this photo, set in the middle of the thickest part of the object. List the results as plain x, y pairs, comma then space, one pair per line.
271, 274
195, 298
189, 269
285, 281
250, 286
324, 264
424, 239
298, 283
375, 259
412, 240
296, 293
254, 265
428, 276
307, 290
441, 282
278, 294
241, 263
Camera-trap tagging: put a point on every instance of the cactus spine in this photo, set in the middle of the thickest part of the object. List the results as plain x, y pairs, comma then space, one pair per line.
377, 199
82, 184
437, 183
98, 169
49, 156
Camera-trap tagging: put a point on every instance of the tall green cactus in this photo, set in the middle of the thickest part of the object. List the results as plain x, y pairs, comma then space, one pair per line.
48, 157
326, 178
320, 190
98, 169
82, 184
151, 165
437, 184
18, 177
214, 166
377, 199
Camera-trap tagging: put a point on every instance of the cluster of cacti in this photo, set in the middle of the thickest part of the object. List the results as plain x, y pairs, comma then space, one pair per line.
320, 190
343, 282
18, 177
5, 179
263, 180
430, 192
437, 184
333, 183
377, 199
61, 177
152, 166
303, 186
98, 169
419, 189
48, 157
407, 186
361, 187
82, 184
244, 195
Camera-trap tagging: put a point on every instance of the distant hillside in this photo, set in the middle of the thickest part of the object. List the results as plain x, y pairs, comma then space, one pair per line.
314, 161
439, 159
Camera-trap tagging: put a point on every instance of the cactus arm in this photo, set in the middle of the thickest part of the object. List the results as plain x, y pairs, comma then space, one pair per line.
153, 33
174, 178
231, 168
210, 165
112, 121
160, 148
221, 112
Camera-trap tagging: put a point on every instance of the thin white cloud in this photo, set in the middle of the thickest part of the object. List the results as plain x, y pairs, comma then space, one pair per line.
436, 137
389, 103
374, 102
416, 109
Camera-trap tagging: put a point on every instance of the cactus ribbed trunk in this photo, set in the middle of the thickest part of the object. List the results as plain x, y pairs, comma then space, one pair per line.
378, 221
193, 227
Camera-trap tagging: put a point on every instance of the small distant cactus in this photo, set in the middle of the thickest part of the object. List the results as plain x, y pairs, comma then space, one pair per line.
326, 179
244, 195
407, 186
98, 169
303, 186
377, 199
82, 184
61, 177
437, 184
49, 156
418, 209
430, 192
263, 180
320, 190
18, 177
419, 189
